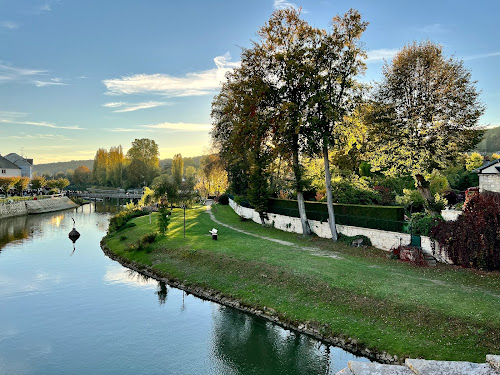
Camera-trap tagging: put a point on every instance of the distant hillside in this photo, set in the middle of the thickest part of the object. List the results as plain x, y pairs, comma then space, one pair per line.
62, 166
490, 142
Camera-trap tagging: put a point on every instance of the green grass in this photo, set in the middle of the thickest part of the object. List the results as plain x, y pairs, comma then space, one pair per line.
442, 312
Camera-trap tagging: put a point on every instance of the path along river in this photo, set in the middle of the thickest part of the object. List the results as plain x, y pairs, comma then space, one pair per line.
79, 312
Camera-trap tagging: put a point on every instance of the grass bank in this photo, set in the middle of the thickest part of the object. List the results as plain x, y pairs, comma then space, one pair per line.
353, 296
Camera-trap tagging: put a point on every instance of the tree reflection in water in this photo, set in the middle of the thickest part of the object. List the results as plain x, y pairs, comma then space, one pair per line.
162, 292
12, 229
252, 345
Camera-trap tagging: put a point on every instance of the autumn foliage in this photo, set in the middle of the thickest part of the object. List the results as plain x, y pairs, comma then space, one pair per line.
473, 240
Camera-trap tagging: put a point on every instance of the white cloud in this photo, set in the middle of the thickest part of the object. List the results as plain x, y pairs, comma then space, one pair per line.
129, 107
52, 82
11, 73
378, 55
283, 4
433, 29
127, 130
9, 25
192, 84
12, 114
482, 56
180, 126
42, 124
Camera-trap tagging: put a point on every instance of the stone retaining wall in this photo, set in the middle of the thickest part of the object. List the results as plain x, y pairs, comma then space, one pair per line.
381, 239
36, 206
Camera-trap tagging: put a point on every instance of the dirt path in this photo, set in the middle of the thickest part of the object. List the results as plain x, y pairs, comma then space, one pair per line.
313, 250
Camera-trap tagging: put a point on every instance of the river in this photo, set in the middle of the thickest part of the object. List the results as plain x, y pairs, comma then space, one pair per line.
66, 310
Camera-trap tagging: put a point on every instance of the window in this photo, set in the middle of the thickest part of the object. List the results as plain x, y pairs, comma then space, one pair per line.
4, 171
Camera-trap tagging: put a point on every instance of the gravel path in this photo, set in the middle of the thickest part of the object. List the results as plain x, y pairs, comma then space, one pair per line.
313, 250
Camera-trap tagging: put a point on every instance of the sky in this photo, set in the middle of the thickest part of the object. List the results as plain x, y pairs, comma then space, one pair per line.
78, 75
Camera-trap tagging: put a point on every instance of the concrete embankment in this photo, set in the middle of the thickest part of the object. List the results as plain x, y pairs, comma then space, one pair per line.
36, 207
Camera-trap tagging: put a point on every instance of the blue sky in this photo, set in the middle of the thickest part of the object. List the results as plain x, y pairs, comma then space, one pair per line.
79, 75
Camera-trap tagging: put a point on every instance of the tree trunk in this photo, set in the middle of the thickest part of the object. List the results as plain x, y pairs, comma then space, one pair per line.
423, 187
329, 198
300, 195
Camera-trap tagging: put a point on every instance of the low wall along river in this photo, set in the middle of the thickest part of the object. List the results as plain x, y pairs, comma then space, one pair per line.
35, 206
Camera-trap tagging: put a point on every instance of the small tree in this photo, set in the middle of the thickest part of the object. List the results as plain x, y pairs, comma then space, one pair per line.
38, 182
22, 185
473, 161
6, 183
163, 220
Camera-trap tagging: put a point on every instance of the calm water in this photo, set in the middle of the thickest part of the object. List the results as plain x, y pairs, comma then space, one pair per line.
79, 312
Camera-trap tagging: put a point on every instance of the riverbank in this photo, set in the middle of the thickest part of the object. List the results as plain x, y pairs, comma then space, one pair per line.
38, 206
354, 298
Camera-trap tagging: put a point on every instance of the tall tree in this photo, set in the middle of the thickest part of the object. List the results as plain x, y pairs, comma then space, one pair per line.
178, 168
81, 175
338, 58
114, 171
99, 171
427, 113
286, 42
146, 154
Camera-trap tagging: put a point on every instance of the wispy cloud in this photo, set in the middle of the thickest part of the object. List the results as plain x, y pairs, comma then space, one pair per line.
433, 29
12, 73
180, 126
51, 82
378, 55
12, 114
283, 4
192, 84
55, 137
42, 124
9, 25
128, 130
482, 56
129, 107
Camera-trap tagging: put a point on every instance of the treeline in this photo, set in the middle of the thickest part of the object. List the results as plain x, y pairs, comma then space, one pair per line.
294, 120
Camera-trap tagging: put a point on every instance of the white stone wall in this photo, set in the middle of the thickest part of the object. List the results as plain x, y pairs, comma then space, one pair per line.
489, 182
450, 215
381, 239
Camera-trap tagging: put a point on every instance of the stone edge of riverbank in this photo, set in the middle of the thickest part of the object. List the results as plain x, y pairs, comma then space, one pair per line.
348, 344
36, 207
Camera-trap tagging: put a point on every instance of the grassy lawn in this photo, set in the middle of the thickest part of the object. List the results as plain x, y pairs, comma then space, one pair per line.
441, 312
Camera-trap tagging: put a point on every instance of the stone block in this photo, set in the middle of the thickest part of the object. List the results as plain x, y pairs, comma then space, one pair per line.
362, 368
424, 367
494, 361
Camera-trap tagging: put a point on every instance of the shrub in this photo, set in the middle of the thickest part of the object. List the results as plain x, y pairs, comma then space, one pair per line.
348, 239
349, 193
121, 218
163, 220
224, 199
473, 240
421, 223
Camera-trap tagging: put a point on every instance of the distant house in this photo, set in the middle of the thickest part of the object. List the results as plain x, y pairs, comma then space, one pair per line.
8, 169
489, 176
26, 165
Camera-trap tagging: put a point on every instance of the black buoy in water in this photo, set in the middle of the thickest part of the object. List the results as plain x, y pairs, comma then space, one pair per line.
74, 235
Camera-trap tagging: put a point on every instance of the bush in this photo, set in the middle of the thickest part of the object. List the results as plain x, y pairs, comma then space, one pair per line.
348, 239
224, 199
422, 224
121, 218
348, 193
473, 239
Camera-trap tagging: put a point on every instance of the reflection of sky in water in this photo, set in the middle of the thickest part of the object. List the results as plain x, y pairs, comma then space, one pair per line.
86, 314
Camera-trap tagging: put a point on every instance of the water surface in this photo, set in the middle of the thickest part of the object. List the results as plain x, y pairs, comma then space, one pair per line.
66, 310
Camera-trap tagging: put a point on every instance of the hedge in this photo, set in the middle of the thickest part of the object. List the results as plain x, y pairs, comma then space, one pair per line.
389, 218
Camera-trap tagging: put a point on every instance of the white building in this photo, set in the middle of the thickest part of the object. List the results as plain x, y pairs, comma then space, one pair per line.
26, 165
489, 176
9, 169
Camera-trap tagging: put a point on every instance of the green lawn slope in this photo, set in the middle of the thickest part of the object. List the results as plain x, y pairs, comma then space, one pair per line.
358, 294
